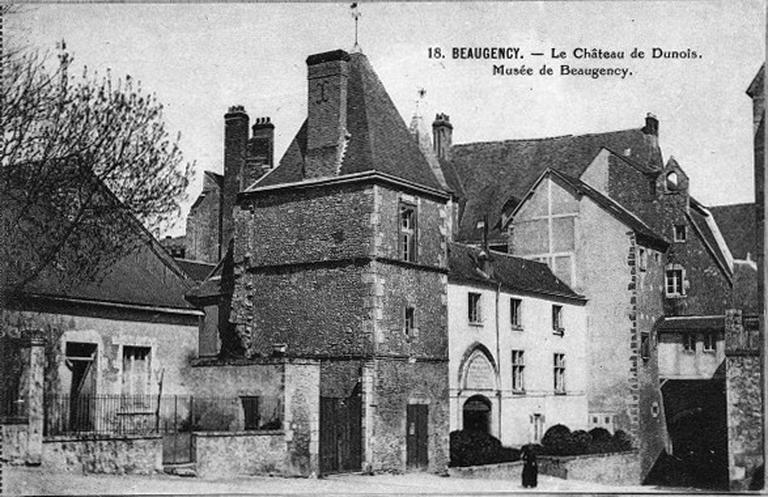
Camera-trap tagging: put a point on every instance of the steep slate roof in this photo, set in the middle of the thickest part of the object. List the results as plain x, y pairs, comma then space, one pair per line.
147, 276
612, 207
516, 275
504, 170
379, 141
737, 224
698, 216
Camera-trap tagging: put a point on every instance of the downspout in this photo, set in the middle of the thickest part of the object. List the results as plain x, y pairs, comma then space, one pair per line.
498, 351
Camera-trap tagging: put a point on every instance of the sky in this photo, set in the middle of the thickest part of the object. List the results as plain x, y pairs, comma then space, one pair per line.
202, 58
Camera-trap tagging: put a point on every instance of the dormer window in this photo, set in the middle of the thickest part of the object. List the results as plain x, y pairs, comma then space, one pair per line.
672, 181
680, 233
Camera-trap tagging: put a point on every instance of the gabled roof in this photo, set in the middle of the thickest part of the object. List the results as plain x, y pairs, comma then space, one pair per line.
135, 270
756, 86
737, 224
506, 169
641, 229
379, 138
705, 225
515, 274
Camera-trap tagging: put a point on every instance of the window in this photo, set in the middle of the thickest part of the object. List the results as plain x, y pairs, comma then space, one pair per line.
674, 282
514, 313
680, 232
689, 342
645, 346
410, 321
672, 181
518, 371
538, 427
250, 412
642, 259
135, 370
709, 342
474, 313
408, 232
559, 363
557, 319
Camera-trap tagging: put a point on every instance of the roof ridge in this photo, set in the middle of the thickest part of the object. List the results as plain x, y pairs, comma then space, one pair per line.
545, 138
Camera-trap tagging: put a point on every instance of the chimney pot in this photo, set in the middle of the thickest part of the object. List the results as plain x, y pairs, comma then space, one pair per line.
651, 125
442, 136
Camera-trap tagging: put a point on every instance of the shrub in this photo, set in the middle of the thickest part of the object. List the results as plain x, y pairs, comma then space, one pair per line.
581, 442
557, 440
602, 441
621, 441
470, 448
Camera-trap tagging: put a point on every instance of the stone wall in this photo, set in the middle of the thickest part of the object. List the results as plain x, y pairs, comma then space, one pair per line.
399, 383
745, 412
115, 455
501, 471
622, 468
302, 417
15, 441
226, 454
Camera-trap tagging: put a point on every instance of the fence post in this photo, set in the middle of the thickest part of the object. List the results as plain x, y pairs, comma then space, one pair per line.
32, 392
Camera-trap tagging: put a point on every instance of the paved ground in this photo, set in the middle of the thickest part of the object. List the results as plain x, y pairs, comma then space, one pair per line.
35, 481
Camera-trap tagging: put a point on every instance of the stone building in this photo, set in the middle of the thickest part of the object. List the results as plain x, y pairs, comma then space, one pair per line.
518, 347
103, 348
616, 223
339, 260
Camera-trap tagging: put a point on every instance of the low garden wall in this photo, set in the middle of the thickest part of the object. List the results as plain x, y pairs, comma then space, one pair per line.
15, 443
618, 468
500, 471
128, 454
223, 454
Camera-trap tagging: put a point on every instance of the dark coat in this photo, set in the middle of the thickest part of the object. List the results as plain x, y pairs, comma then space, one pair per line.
530, 469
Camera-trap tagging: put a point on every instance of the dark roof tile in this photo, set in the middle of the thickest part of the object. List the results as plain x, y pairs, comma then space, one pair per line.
379, 138
737, 224
514, 273
514, 165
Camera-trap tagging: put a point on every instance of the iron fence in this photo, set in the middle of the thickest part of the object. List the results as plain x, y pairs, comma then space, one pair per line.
147, 414
12, 407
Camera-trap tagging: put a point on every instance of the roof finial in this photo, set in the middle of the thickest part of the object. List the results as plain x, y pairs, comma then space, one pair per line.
421, 92
356, 16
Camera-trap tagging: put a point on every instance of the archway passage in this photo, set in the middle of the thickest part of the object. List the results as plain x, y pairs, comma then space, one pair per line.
477, 414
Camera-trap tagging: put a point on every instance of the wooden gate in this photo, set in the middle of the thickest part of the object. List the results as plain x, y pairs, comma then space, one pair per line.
341, 433
416, 436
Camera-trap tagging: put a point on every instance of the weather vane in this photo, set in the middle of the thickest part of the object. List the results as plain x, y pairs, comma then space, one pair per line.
421, 92
356, 16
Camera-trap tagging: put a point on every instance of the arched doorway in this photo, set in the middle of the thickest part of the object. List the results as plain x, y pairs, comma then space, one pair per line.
477, 414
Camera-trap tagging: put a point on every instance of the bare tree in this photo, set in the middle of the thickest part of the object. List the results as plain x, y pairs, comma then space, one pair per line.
81, 160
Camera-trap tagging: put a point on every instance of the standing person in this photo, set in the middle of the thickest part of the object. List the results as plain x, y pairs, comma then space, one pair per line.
530, 468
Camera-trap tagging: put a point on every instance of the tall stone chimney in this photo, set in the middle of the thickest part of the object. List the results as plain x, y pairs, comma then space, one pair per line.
260, 151
442, 132
651, 129
327, 75
235, 149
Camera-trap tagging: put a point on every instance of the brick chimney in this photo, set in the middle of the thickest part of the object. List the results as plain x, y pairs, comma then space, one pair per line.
327, 75
651, 129
260, 151
235, 148
442, 132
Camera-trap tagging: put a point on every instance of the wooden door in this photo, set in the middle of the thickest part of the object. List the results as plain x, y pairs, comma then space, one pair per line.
341, 433
417, 436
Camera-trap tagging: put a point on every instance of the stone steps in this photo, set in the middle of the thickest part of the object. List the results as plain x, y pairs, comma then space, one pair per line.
185, 469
